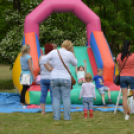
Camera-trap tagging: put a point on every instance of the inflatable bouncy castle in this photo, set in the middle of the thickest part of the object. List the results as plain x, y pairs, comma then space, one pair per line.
96, 52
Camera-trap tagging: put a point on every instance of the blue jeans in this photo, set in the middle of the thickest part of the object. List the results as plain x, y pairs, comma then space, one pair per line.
61, 91
45, 86
103, 89
126, 81
87, 103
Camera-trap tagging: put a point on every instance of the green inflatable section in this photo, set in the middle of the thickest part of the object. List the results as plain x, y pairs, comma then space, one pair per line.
81, 55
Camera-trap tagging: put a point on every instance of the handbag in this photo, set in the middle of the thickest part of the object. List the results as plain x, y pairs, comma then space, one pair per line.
73, 81
25, 79
117, 78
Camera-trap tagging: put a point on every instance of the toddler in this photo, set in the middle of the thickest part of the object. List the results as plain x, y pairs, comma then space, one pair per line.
88, 95
38, 78
100, 86
80, 72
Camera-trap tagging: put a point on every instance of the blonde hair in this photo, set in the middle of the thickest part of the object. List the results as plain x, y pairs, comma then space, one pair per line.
54, 46
67, 44
24, 49
88, 77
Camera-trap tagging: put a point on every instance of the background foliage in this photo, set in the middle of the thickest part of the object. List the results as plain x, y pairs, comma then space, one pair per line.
116, 19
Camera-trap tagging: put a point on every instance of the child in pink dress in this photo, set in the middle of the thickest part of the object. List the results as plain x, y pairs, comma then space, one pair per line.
38, 78
88, 95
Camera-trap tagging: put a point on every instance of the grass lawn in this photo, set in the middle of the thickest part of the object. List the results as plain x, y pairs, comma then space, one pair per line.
35, 123
5, 77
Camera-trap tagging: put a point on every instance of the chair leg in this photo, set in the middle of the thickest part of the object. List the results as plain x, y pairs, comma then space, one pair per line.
117, 103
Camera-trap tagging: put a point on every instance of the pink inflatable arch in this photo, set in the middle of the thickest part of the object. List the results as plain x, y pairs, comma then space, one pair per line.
47, 7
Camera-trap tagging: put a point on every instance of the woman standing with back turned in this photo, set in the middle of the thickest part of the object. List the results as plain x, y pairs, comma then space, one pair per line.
45, 78
26, 69
61, 79
126, 59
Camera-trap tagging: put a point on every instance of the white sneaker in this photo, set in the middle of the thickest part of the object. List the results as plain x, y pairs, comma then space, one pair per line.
126, 117
24, 107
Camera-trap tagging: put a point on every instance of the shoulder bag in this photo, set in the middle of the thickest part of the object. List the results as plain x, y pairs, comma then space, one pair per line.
73, 82
117, 78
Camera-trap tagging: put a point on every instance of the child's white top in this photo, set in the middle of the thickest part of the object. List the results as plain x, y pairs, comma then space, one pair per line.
59, 70
45, 74
80, 74
87, 90
38, 79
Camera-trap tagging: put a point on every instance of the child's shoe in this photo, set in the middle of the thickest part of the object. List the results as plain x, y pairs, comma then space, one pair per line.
91, 113
104, 105
85, 113
126, 117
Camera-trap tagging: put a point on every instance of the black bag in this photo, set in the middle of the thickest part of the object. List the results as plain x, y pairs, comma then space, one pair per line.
117, 78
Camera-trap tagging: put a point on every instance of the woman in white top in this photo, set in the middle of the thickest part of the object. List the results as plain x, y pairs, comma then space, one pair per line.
45, 78
60, 78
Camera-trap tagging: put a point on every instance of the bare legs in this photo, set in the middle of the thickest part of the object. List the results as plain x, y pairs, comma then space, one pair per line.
125, 105
42, 105
109, 94
103, 98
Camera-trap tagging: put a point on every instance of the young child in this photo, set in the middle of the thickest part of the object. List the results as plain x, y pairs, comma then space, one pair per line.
100, 86
80, 72
38, 78
88, 95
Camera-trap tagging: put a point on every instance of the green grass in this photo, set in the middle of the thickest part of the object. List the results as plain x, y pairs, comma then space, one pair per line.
5, 72
35, 123
6, 78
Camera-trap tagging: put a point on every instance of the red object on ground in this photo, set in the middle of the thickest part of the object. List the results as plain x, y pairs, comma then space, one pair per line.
85, 113
91, 113
33, 106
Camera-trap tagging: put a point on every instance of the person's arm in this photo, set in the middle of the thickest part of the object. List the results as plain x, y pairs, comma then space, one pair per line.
81, 92
39, 61
102, 79
31, 68
94, 78
76, 69
118, 65
117, 59
85, 66
48, 67
73, 58
46, 60
94, 92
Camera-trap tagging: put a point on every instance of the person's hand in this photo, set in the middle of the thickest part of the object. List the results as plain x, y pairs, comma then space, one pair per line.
85, 61
94, 99
34, 78
80, 99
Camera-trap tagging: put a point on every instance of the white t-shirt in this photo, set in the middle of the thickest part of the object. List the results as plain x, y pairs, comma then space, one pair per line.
59, 70
87, 90
45, 74
80, 74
